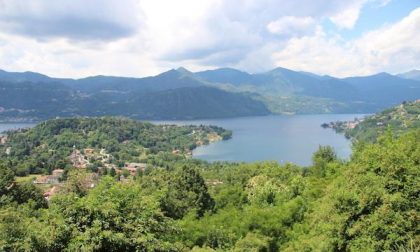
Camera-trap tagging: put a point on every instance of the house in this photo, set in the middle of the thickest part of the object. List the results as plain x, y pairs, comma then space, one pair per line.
54, 178
47, 179
133, 167
89, 151
58, 172
78, 160
3, 139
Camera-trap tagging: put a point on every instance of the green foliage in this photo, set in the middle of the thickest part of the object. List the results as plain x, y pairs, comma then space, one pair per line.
6, 179
28, 192
253, 243
322, 161
186, 191
49, 145
19, 193
369, 203
399, 119
78, 182
372, 205
111, 217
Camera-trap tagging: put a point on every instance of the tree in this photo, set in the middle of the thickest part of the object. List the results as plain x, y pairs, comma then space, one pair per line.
125, 173
6, 179
372, 204
253, 242
321, 158
26, 192
187, 190
78, 182
112, 172
115, 217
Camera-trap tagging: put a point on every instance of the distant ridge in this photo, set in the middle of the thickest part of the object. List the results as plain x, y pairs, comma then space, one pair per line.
223, 92
413, 74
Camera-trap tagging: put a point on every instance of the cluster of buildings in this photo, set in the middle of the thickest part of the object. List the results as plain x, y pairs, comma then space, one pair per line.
343, 125
134, 167
82, 159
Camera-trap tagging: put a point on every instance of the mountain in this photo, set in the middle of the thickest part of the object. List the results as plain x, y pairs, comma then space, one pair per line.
281, 81
413, 74
227, 76
181, 94
286, 91
382, 90
181, 103
167, 80
174, 94
24, 77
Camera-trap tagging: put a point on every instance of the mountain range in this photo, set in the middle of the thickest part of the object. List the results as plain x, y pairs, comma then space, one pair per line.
219, 93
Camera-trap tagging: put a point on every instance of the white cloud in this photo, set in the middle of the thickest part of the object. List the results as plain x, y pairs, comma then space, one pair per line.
348, 17
76, 19
392, 48
143, 37
292, 26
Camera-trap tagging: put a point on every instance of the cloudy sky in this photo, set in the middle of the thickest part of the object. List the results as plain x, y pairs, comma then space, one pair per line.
78, 38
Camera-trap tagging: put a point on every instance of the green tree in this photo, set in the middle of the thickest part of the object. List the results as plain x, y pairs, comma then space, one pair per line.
25, 192
187, 190
321, 158
6, 179
112, 172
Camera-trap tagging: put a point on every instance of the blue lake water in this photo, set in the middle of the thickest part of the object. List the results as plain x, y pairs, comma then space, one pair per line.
276, 137
8, 126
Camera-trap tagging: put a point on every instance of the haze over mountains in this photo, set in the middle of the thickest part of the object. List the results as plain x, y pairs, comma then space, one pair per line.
181, 94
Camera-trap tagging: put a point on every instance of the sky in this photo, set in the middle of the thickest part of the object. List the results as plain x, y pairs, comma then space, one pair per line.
79, 38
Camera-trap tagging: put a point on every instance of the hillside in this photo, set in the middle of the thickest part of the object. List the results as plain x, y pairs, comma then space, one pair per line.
50, 144
399, 120
384, 90
170, 203
26, 98
413, 75
181, 94
285, 91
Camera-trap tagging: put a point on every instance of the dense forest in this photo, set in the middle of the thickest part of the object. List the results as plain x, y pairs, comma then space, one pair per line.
369, 203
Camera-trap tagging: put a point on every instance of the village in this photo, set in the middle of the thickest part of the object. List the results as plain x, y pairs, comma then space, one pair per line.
340, 126
97, 162
82, 160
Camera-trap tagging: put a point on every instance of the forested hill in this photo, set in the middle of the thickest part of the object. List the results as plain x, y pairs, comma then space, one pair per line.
399, 119
367, 204
181, 94
170, 95
103, 142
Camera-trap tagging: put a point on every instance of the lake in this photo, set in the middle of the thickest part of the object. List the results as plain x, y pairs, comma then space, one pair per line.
276, 137
8, 126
